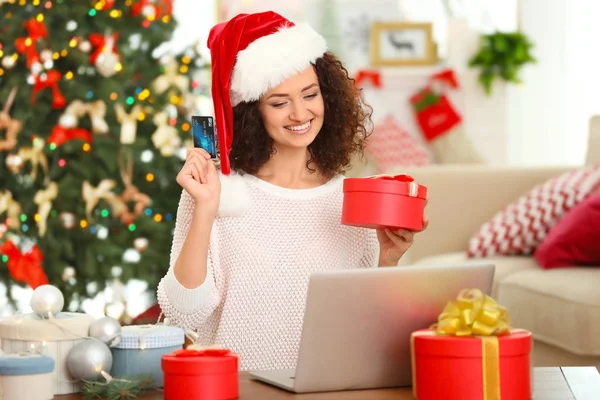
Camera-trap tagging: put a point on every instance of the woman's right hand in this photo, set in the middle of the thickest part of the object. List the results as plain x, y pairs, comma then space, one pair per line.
200, 179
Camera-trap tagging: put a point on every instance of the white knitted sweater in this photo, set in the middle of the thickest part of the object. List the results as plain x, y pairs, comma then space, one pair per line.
253, 299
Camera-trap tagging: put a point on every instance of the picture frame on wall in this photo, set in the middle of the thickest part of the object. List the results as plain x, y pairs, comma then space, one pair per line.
402, 44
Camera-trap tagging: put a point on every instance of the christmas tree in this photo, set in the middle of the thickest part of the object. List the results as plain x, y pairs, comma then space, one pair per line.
93, 131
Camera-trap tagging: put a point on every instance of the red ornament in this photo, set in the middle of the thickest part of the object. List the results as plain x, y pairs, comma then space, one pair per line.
49, 80
160, 7
25, 267
61, 135
99, 42
27, 45
108, 4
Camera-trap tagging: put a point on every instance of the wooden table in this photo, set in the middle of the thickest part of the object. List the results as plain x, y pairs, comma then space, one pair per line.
550, 383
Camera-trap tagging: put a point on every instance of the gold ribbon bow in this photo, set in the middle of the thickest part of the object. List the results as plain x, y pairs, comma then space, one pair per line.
171, 78
92, 195
96, 111
36, 155
473, 313
43, 198
12, 208
12, 126
166, 137
128, 122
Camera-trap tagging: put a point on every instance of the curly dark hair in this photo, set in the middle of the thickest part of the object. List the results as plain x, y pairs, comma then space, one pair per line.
346, 125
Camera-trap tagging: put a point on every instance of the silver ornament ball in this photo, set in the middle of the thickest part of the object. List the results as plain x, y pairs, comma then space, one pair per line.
47, 299
107, 330
88, 358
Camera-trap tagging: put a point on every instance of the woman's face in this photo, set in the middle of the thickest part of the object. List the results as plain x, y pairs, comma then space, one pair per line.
293, 111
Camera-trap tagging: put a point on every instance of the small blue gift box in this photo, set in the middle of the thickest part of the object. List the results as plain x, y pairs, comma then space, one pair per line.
141, 348
26, 376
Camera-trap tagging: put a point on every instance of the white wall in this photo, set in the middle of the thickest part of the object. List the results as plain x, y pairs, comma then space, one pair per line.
550, 112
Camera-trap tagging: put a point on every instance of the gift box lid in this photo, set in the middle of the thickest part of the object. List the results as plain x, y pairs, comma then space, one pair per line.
426, 342
200, 362
31, 327
25, 364
397, 184
150, 337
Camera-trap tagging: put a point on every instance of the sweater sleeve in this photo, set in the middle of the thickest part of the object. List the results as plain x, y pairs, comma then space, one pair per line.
187, 308
370, 245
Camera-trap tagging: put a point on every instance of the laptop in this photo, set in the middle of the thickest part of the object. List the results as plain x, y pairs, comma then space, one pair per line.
358, 322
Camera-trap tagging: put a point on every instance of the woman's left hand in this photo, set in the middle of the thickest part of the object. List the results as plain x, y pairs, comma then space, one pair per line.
394, 243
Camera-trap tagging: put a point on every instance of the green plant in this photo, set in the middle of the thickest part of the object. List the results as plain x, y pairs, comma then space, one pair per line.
501, 55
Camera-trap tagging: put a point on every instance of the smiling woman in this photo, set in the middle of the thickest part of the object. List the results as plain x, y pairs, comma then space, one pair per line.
289, 119
319, 109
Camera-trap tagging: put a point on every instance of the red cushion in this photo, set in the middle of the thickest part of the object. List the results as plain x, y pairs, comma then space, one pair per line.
522, 226
575, 239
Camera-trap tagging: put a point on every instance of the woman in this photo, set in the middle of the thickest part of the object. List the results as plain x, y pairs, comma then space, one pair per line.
245, 243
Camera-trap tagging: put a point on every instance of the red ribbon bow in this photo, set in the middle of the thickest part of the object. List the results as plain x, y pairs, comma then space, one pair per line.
202, 353
49, 80
25, 267
98, 41
61, 135
372, 76
400, 177
27, 45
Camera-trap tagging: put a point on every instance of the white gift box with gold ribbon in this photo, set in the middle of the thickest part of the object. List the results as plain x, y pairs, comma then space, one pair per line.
29, 333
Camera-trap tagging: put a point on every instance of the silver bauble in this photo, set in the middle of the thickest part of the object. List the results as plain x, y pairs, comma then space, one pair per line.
47, 299
88, 358
107, 330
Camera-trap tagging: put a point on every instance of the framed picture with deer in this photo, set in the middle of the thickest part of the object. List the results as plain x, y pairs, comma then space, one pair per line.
402, 44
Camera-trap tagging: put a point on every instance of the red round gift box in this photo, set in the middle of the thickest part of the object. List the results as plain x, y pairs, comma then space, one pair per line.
207, 375
451, 368
380, 202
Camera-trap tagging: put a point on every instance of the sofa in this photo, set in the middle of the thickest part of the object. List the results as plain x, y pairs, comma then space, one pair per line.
561, 306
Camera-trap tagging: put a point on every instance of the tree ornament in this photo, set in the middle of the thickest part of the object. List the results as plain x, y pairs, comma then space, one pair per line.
47, 301
88, 359
128, 122
166, 137
105, 58
140, 244
11, 207
67, 219
8, 62
107, 330
10, 125
68, 274
43, 198
14, 163
92, 195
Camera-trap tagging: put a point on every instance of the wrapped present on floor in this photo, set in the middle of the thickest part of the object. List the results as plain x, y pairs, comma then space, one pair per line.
472, 353
201, 373
54, 337
141, 348
26, 376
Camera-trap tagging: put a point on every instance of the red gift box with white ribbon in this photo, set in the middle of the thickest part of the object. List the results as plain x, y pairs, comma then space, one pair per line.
384, 201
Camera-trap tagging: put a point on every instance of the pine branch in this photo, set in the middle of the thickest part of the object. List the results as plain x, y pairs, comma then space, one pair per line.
116, 389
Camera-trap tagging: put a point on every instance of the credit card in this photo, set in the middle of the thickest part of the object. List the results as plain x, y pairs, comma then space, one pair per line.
203, 131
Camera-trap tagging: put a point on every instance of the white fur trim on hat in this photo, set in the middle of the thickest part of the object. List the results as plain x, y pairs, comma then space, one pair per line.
235, 195
271, 59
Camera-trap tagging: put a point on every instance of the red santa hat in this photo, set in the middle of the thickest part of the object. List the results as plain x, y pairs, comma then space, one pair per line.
251, 54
